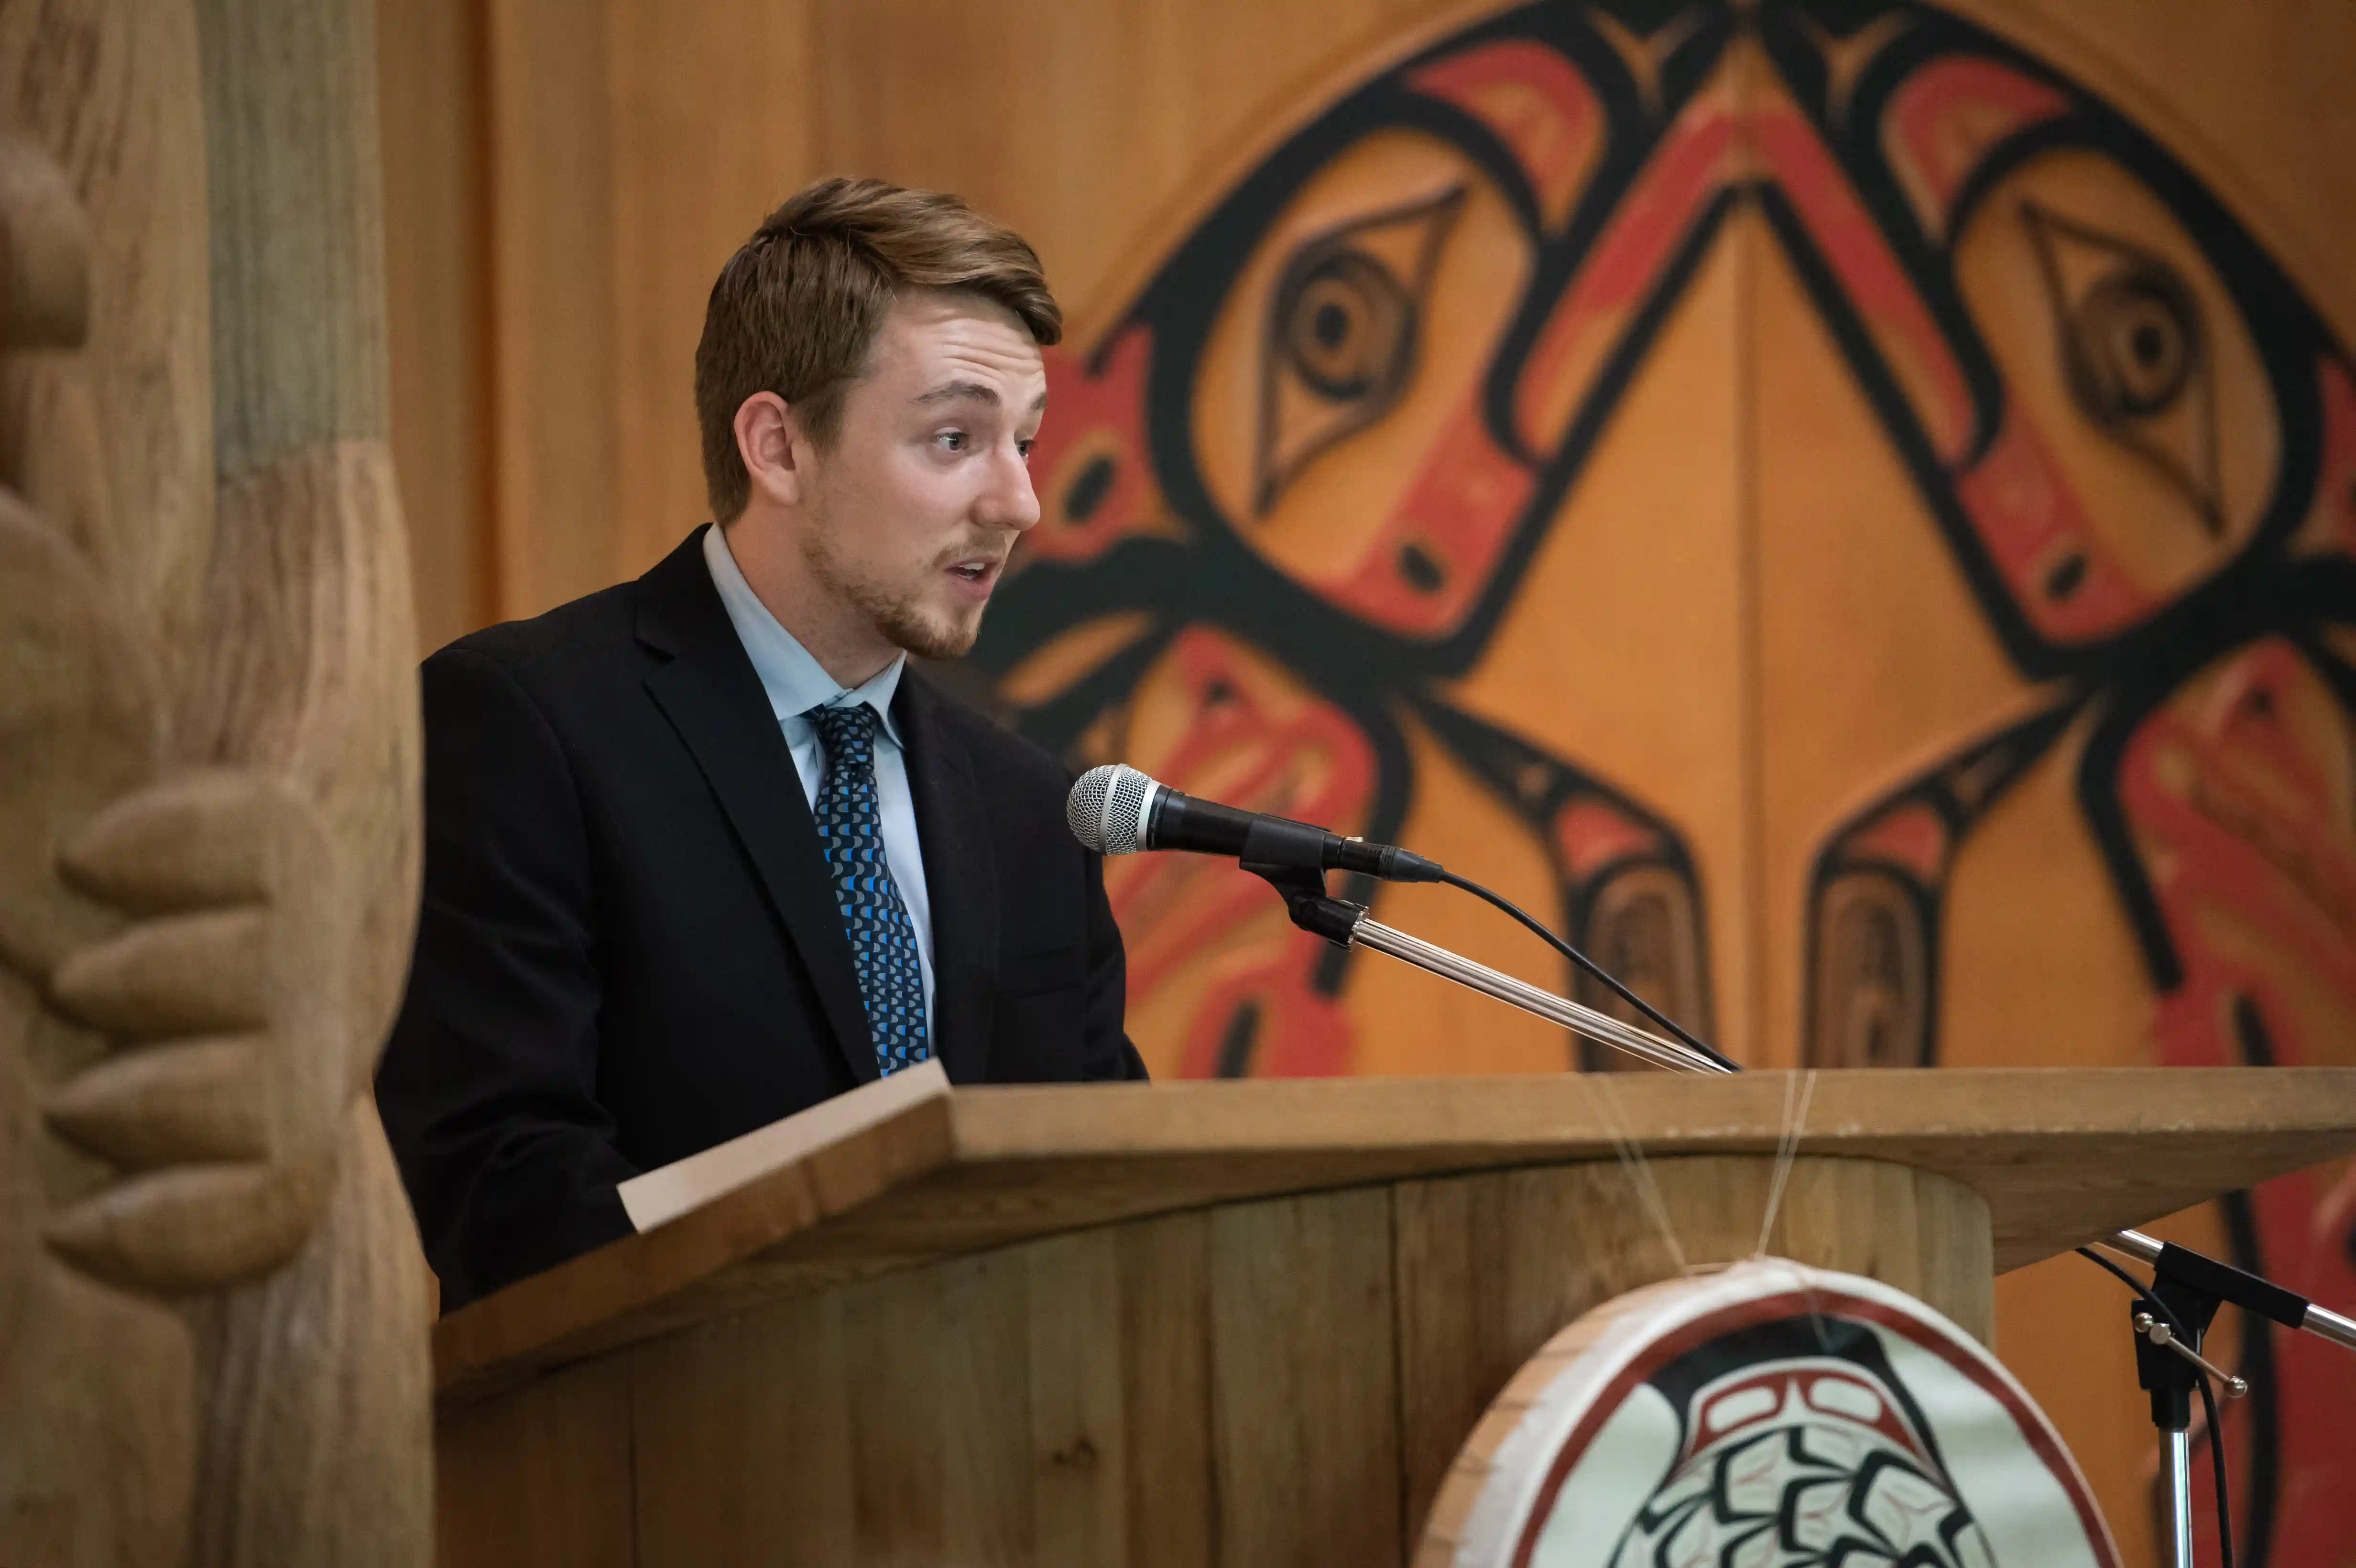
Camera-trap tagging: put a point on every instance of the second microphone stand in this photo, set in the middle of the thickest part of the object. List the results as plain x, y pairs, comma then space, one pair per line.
1346, 924
2187, 1288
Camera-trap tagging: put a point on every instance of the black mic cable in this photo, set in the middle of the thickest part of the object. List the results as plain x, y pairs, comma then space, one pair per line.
1468, 885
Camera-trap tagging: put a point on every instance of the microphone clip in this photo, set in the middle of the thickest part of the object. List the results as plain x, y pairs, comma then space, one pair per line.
1303, 888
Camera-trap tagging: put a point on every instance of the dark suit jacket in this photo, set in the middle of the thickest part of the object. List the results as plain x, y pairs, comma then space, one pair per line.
629, 951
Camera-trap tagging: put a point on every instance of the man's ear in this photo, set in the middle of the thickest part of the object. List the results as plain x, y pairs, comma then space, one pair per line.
775, 454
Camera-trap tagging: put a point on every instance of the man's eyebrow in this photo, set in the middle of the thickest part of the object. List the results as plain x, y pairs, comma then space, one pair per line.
959, 391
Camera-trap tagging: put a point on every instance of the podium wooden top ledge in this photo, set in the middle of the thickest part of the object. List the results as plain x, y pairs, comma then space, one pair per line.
2058, 1155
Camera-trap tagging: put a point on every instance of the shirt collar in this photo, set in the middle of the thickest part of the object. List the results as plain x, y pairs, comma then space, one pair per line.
794, 681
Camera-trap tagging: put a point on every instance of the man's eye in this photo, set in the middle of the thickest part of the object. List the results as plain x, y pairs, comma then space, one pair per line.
951, 440
1025, 448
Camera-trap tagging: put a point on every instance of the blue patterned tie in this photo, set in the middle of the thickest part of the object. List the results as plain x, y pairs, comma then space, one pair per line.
883, 940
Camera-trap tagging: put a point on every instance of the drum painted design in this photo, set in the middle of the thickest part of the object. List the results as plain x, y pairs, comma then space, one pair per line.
1771, 1417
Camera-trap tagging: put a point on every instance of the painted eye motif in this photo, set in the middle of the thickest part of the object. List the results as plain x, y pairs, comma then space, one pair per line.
1344, 325
2134, 352
2141, 346
1346, 320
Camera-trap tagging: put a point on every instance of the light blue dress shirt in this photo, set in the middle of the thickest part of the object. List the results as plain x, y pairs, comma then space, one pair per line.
796, 683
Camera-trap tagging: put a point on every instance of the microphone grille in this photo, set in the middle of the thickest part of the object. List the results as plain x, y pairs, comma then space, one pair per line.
1107, 808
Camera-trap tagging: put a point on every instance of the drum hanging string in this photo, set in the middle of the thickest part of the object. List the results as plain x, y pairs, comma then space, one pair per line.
1800, 1087
1639, 1169
1799, 1090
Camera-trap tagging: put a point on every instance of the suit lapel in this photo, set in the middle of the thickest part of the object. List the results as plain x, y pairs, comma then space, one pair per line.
713, 699
960, 877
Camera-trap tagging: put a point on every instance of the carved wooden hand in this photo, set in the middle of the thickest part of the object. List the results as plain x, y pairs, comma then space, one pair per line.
225, 996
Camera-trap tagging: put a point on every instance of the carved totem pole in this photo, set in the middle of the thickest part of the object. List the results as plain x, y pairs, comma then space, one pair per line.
213, 1312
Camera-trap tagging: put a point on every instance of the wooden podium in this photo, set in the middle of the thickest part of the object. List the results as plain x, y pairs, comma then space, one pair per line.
1238, 1323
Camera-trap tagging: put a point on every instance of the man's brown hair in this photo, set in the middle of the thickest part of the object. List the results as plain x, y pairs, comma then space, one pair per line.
796, 308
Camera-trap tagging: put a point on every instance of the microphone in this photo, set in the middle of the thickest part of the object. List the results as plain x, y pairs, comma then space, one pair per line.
1117, 810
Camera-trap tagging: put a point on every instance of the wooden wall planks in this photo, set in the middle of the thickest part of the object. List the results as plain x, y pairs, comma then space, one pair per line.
688, 185
554, 422
437, 299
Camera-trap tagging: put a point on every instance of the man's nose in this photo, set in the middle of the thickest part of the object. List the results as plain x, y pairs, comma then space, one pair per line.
1008, 501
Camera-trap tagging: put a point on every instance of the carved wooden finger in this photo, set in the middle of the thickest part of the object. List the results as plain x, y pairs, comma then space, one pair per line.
198, 839
177, 975
44, 251
200, 1100
195, 1227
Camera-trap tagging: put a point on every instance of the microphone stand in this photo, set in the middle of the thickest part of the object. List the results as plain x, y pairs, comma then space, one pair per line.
2191, 1286
1345, 924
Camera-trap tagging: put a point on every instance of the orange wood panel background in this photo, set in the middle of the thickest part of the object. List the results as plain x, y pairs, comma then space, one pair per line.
1720, 714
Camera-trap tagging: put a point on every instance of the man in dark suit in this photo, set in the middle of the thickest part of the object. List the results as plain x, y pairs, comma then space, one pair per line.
701, 849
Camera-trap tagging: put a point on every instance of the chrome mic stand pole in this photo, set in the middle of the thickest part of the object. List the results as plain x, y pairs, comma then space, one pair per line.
1348, 926
1596, 1025
2175, 1446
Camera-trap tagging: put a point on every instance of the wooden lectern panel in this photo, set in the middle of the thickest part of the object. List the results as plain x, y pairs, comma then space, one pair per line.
2060, 1156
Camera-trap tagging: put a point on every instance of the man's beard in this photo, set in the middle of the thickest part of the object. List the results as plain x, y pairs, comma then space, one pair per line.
900, 616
